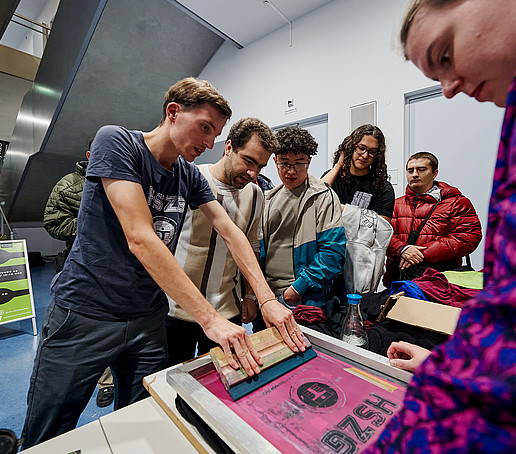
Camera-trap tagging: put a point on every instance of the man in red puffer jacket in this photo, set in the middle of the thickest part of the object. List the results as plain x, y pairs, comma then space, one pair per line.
451, 231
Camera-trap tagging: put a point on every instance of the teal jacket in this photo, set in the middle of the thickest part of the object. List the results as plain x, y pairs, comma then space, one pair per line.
318, 241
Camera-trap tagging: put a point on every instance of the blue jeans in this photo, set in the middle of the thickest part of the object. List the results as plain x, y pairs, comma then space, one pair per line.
72, 354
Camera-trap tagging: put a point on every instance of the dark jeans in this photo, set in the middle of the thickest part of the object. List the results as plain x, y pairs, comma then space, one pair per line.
183, 337
72, 354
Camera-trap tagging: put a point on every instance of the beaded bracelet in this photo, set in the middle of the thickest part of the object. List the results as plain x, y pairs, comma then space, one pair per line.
266, 301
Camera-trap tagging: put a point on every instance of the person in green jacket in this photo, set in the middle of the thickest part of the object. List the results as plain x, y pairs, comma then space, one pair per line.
62, 208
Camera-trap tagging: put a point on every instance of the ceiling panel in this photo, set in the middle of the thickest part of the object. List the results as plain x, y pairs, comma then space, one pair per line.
245, 21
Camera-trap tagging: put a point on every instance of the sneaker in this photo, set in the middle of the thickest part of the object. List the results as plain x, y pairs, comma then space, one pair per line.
105, 396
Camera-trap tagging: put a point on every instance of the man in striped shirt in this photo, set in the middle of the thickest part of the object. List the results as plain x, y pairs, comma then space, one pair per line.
203, 254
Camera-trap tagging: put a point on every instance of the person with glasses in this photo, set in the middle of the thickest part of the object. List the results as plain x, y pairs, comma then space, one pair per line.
303, 237
359, 177
359, 172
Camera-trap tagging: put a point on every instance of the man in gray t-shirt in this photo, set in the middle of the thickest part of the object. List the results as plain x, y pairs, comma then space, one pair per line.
108, 305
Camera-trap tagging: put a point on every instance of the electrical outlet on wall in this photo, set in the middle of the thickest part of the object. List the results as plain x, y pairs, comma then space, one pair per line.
392, 176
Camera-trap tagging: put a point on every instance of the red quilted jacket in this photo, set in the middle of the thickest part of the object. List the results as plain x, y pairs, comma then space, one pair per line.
452, 231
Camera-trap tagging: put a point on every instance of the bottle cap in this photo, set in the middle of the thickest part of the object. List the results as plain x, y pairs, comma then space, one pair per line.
354, 298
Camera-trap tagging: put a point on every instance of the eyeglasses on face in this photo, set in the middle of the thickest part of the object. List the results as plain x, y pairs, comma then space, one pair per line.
298, 166
372, 152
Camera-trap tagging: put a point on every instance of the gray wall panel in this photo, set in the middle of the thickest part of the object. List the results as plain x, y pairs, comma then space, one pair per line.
117, 73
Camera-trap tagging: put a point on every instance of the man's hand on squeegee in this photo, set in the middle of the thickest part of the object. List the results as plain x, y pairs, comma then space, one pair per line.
234, 338
275, 314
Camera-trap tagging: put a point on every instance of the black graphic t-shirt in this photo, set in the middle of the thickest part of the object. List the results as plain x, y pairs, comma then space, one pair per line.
102, 278
359, 192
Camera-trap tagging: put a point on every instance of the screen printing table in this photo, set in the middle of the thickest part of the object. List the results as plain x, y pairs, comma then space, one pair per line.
354, 393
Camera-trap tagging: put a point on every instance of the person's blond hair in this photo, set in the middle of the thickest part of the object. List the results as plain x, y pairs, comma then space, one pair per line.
413, 8
191, 92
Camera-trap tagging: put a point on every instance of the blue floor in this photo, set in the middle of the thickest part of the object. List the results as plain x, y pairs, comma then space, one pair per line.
17, 350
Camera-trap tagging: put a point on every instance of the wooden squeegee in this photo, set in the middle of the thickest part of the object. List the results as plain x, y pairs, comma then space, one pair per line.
278, 359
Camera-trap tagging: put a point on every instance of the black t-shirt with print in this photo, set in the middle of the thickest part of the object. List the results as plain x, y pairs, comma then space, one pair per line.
359, 192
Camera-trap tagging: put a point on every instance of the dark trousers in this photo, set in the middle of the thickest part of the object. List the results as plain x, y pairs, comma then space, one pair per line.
184, 338
72, 354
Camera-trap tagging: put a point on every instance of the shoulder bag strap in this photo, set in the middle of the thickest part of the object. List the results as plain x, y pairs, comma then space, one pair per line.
427, 217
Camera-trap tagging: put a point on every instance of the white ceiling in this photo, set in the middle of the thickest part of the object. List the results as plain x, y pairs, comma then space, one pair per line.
245, 21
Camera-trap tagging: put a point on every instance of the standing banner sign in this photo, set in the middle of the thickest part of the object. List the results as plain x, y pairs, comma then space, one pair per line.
16, 299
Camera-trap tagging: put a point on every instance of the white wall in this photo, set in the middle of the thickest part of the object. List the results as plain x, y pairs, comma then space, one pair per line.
343, 54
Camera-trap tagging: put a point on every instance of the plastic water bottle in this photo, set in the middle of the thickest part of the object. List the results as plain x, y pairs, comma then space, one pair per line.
353, 330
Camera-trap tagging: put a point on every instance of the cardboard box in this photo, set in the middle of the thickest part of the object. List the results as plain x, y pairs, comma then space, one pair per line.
424, 314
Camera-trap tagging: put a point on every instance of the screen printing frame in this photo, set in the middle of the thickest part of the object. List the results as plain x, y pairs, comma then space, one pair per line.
236, 432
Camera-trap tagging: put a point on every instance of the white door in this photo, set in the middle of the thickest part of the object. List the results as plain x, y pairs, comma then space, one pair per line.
464, 135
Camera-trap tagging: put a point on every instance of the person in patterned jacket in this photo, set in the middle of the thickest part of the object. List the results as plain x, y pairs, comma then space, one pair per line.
462, 398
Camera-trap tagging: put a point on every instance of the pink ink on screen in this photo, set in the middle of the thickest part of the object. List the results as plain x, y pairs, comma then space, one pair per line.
323, 406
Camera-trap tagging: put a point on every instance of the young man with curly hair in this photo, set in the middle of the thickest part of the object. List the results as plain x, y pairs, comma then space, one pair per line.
202, 253
303, 236
359, 172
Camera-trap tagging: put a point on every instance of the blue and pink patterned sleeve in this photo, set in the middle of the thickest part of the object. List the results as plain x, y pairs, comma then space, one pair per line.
463, 397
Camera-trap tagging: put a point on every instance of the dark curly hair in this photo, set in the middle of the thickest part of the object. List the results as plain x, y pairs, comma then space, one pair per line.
293, 139
348, 147
242, 131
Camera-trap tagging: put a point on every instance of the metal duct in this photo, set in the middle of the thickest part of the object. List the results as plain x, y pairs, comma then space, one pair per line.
106, 62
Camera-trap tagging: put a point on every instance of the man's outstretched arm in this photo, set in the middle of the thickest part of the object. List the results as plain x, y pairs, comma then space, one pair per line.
273, 312
130, 205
